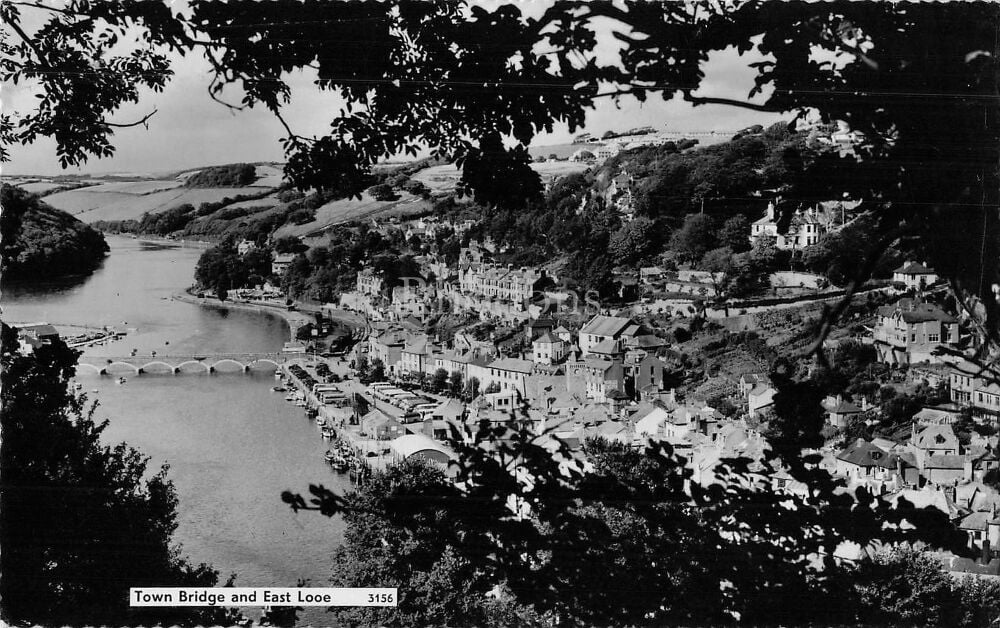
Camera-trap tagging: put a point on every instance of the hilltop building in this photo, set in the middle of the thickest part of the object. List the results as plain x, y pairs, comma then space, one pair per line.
914, 276
805, 229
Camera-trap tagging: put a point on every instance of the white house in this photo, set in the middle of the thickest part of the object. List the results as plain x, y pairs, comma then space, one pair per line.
611, 328
914, 276
547, 349
804, 229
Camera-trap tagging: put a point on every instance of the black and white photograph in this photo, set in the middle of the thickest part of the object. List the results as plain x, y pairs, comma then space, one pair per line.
554, 313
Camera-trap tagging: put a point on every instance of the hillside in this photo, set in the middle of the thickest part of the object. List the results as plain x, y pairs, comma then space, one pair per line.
42, 243
129, 200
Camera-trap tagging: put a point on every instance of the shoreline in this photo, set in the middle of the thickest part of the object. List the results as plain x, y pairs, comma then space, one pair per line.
294, 320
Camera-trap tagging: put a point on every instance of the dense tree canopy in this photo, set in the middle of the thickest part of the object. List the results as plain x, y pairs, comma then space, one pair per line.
917, 82
232, 175
80, 521
40, 242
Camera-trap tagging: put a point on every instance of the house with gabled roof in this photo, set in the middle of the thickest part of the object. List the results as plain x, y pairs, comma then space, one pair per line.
611, 328
976, 387
914, 275
508, 374
840, 411
862, 461
548, 349
415, 356
911, 330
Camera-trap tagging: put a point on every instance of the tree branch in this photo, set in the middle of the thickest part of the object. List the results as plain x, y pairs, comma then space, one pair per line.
24, 37
142, 121
35, 5
711, 100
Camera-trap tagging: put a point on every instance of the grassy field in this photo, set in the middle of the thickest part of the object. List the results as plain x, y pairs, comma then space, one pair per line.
442, 179
119, 201
348, 209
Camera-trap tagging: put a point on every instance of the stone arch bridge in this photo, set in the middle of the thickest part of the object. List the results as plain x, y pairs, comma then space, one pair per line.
178, 364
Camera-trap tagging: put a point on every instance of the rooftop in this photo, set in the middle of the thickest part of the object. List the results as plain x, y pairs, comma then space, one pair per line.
606, 325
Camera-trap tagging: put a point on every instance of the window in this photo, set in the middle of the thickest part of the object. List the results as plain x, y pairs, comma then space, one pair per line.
933, 337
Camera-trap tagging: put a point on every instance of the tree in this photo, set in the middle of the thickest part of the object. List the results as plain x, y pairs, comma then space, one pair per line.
932, 50
915, 82
41, 242
377, 371
439, 381
471, 390
695, 237
70, 504
538, 525
633, 241
735, 234
905, 587
382, 192
455, 384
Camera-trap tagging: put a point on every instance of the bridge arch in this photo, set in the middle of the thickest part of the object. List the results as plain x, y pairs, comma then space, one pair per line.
204, 366
145, 367
257, 361
242, 366
132, 367
96, 369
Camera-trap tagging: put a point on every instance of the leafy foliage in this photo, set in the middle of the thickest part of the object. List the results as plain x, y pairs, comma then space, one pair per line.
229, 176
80, 521
40, 242
631, 541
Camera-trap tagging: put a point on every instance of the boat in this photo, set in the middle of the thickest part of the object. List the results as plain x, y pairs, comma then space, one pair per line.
320, 420
289, 397
340, 465
278, 388
122, 380
77, 386
94, 391
277, 375
330, 455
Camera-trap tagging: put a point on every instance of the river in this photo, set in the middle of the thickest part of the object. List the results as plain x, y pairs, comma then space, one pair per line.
232, 444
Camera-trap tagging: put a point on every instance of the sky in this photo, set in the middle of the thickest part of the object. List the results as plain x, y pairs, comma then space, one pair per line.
190, 129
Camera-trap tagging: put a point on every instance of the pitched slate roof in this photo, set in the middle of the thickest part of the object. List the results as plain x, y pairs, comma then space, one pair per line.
936, 437
417, 345
913, 268
916, 312
865, 454
842, 407
606, 347
547, 337
605, 325
945, 462
512, 364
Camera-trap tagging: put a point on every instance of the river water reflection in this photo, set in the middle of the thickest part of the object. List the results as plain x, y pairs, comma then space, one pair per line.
232, 444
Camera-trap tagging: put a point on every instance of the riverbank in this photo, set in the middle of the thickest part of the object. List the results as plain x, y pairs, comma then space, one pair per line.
294, 319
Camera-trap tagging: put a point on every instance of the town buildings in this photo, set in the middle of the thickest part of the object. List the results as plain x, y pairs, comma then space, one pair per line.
280, 263
607, 334
912, 330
